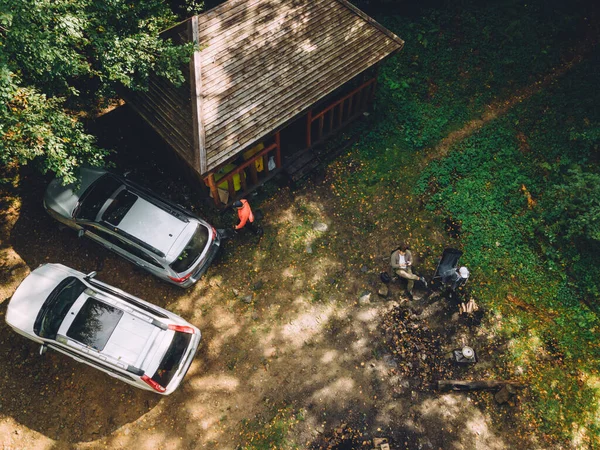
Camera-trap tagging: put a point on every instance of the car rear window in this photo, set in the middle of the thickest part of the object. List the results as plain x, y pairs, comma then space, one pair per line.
95, 196
172, 360
56, 307
192, 250
94, 323
119, 207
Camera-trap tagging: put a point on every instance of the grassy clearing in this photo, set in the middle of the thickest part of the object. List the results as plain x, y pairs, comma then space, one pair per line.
524, 272
504, 188
502, 185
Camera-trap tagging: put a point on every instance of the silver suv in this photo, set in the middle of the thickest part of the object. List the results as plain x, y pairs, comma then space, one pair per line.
104, 327
153, 233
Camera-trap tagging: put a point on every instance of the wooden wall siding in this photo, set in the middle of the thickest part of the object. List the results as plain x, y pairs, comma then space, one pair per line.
168, 109
266, 61
169, 112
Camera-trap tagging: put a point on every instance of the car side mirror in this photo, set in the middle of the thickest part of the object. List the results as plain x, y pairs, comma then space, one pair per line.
43, 349
91, 275
80, 233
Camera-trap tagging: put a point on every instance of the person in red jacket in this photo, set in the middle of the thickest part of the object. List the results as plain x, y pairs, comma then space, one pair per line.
245, 215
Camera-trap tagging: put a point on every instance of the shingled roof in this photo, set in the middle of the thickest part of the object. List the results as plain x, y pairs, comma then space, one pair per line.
260, 64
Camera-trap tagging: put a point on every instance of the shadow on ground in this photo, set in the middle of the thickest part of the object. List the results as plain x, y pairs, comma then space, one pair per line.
282, 327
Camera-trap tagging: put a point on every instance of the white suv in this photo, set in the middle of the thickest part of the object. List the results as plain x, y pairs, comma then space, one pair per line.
104, 327
132, 221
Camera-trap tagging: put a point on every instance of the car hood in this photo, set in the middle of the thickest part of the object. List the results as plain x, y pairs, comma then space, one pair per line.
29, 297
63, 199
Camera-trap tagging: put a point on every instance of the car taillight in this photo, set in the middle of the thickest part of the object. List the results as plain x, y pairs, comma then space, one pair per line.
214, 233
153, 384
182, 279
182, 329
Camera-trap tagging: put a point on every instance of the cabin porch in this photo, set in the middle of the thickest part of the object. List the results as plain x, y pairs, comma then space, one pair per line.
290, 149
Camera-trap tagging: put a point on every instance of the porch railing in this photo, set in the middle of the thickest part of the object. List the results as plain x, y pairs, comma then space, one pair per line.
246, 170
333, 117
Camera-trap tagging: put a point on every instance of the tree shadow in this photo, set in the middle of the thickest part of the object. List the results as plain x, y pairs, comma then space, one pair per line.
55, 395
61, 398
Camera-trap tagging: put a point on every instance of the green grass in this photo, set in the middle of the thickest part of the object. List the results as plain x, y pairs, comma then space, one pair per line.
521, 250
271, 433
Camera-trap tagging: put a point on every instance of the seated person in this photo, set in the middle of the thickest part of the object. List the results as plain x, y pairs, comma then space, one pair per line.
456, 277
455, 283
401, 262
461, 279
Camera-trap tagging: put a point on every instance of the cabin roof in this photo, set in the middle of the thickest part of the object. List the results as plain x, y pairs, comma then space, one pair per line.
260, 64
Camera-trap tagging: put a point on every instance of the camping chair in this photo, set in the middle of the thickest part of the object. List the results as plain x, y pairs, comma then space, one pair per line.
446, 273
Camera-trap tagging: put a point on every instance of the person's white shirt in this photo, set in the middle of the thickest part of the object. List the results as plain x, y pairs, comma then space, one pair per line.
401, 261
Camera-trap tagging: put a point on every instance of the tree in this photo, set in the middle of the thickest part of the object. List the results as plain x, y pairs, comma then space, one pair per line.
61, 58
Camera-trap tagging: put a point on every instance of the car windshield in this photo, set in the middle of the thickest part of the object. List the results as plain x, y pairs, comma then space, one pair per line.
94, 324
172, 360
120, 205
95, 197
56, 307
192, 250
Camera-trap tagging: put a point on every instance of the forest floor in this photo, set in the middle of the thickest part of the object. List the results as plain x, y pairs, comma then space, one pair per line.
298, 351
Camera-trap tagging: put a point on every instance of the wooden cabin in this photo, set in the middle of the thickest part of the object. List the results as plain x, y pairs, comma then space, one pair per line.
270, 80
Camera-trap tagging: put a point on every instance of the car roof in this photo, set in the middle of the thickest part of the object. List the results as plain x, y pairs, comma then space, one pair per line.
131, 339
155, 226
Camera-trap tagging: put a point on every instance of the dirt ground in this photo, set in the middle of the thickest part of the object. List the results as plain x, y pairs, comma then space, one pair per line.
308, 341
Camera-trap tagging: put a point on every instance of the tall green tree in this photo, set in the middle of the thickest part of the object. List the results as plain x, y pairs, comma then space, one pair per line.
60, 58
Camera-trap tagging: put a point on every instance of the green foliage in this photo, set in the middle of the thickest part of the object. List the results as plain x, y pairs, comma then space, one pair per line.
524, 188
528, 227
37, 128
57, 44
566, 399
59, 58
261, 434
571, 209
459, 59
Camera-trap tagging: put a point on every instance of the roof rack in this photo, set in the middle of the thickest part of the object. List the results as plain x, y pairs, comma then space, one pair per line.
159, 202
132, 301
136, 240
